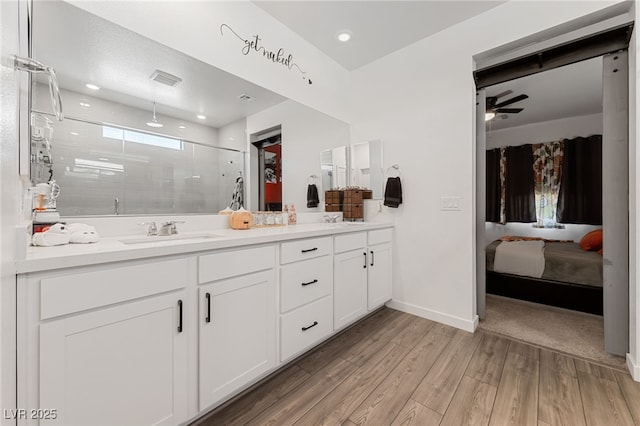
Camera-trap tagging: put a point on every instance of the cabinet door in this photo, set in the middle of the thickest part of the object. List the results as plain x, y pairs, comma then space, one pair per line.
237, 333
349, 287
121, 365
379, 291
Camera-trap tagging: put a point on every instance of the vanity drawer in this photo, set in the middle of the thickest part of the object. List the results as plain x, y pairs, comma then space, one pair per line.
67, 294
304, 327
380, 236
294, 251
303, 282
348, 242
232, 263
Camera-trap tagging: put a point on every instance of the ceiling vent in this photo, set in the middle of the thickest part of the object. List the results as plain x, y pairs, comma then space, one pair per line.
245, 97
165, 78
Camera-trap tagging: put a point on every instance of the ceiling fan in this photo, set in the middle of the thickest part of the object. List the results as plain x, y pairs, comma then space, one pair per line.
494, 107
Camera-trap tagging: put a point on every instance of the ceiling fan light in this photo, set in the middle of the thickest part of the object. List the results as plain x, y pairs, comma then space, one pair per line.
154, 121
490, 115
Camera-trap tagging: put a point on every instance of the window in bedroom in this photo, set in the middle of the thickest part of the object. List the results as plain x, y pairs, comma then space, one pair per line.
547, 168
548, 184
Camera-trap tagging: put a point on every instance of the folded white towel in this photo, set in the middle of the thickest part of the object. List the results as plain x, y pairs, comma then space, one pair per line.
56, 235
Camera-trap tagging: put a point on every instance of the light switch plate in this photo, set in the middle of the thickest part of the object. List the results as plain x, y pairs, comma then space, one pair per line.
450, 203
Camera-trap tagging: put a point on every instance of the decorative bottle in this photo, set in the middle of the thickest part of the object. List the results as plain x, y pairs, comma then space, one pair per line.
293, 219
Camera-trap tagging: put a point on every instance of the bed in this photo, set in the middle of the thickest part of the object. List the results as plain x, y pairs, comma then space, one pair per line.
572, 278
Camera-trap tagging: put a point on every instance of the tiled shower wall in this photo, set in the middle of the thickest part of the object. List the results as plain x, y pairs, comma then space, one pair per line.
95, 165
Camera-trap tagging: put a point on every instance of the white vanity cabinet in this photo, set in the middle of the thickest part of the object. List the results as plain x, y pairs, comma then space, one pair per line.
306, 285
362, 274
104, 345
350, 278
237, 320
379, 267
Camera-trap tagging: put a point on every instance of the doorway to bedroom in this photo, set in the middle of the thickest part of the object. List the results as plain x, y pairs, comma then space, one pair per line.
546, 138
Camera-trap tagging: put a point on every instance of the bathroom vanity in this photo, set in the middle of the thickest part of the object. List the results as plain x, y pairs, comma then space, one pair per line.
127, 331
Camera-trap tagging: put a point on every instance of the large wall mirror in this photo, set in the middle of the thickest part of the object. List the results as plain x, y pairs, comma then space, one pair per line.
110, 155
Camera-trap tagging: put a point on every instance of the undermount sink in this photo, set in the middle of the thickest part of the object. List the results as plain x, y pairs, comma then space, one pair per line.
167, 238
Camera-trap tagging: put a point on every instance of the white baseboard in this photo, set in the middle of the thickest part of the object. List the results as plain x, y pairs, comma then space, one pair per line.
634, 368
453, 321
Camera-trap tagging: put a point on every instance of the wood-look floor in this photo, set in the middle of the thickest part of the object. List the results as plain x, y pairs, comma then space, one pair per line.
398, 369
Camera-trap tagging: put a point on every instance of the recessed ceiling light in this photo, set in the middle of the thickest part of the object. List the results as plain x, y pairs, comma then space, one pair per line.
85, 104
74, 133
201, 116
92, 86
489, 116
181, 126
344, 35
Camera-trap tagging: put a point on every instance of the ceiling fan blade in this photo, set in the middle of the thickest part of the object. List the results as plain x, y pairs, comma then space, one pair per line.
512, 101
508, 110
505, 93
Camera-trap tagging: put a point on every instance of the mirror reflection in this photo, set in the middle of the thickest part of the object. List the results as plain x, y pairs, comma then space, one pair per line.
366, 166
148, 129
334, 167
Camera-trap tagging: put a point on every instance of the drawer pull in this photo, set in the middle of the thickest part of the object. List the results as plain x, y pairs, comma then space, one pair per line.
308, 250
309, 283
311, 326
180, 316
208, 317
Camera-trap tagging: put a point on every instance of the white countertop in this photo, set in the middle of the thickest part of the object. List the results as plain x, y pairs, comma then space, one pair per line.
113, 249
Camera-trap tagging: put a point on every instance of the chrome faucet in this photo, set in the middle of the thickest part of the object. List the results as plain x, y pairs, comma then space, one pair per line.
169, 228
331, 219
153, 228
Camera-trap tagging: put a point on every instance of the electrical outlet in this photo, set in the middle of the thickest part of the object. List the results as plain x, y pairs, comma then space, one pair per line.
450, 203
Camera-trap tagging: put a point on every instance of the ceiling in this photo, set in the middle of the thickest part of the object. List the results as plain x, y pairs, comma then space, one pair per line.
568, 91
378, 27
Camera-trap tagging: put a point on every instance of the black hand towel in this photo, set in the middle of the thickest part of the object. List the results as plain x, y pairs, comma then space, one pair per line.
393, 192
312, 195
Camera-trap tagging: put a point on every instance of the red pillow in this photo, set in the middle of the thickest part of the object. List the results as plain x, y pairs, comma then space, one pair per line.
592, 241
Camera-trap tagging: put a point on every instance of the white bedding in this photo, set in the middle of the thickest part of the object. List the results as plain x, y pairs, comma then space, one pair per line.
520, 258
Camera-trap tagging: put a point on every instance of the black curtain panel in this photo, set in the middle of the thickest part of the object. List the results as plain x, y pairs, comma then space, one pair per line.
493, 185
580, 197
520, 202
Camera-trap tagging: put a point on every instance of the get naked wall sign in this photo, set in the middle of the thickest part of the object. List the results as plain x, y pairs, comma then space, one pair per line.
254, 45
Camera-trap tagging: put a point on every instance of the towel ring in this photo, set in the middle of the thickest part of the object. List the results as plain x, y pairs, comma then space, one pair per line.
393, 171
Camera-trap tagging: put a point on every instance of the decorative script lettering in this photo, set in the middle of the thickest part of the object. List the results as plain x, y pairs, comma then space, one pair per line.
279, 56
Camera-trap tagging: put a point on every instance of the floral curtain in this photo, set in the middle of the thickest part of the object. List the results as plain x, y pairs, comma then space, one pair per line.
547, 168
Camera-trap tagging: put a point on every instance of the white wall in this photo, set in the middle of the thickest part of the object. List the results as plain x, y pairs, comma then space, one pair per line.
305, 132
234, 135
9, 200
194, 28
547, 131
420, 101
